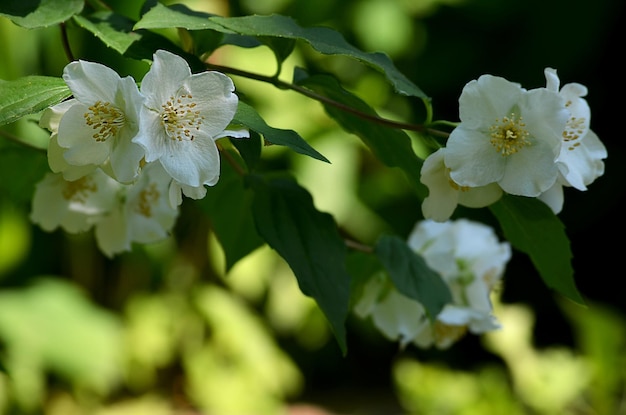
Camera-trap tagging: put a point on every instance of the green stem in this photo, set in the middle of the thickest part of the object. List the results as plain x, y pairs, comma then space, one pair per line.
311, 94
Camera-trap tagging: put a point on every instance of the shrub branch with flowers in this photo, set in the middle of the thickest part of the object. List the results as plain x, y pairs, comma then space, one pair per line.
124, 154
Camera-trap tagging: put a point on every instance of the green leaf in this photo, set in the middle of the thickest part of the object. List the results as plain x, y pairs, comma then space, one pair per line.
116, 32
323, 39
247, 116
32, 14
249, 149
411, 276
228, 205
29, 95
391, 145
178, 15
309, 242
113, 30
534, 229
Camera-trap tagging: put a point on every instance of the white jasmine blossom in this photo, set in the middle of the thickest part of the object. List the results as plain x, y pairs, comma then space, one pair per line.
397, 317
580, 160
470, 260
142, 213
507, 135
444, 194
76, 205
99, 124
182, 116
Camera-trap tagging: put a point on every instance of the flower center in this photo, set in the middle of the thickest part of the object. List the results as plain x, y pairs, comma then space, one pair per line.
574, 129
443, 331
508, 135
78, 190
105, 119
180, 119
147, 197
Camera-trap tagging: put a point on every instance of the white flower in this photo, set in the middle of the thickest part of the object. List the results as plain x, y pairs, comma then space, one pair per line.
182, 116
75, 206
142, 213
444, 194
470, 260
50, 119
97, 126
507, 135
397, 317
580, 159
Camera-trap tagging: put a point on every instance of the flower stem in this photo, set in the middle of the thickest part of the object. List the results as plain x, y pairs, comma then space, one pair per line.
311, 94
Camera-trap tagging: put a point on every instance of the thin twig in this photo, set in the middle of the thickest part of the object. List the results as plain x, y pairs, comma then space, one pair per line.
311, 94
358, 246
66, 43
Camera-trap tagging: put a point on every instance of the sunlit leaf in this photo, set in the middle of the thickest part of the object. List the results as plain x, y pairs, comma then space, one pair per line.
177, 15
66, 334
246, 115
29, 95
32, 14
116, 31
411, 276
309, 242
391, 145
323, 39
534, 229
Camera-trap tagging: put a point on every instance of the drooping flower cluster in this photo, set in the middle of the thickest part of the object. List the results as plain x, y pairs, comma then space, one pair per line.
470, 260
522, 142
122, 157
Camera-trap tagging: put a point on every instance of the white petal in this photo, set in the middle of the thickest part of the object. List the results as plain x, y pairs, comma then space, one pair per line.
192, 163
91, 82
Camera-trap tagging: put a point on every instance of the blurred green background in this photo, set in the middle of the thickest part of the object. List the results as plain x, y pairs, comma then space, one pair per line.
165, 330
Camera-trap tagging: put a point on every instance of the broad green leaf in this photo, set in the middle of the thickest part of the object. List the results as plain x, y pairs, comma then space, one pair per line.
309, 242
180, 16
411, 276
116, 32
32, 14
323, 39
534, 229
246, 115
249, 149
113, 30
29, 95
392, 146
177, 15
228, 205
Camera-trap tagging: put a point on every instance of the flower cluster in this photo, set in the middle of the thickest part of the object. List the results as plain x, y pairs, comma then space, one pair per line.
523, 142
470, 260
122, 157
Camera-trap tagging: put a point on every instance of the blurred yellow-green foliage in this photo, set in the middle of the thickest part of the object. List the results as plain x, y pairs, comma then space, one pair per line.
166, 330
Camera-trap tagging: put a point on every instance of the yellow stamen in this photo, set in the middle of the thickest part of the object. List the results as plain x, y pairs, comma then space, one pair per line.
105, 119
508, 135
180, 118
